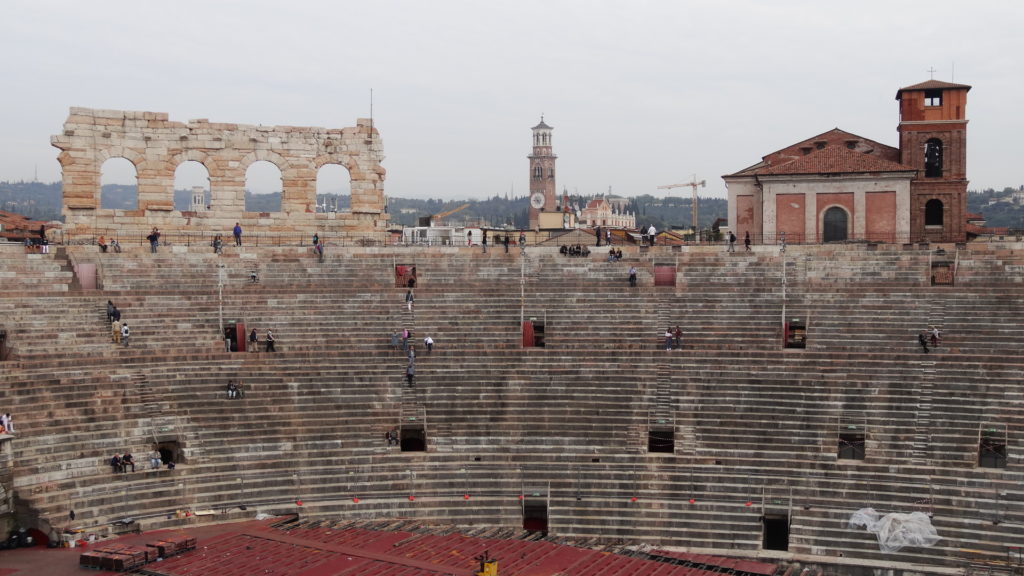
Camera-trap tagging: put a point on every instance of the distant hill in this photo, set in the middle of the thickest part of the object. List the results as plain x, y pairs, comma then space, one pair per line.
997, 207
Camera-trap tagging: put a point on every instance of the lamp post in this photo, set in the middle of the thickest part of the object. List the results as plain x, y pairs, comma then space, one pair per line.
221, 273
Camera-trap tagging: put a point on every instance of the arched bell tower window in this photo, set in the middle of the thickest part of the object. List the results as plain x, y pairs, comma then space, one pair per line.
538, 172
933, 213
933, 158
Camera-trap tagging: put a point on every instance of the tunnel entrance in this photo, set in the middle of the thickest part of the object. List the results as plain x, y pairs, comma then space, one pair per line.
776, 532
413, 438
661, 440
170, 451
535, 515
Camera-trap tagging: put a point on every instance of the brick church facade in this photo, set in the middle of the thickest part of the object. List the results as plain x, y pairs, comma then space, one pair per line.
838, 186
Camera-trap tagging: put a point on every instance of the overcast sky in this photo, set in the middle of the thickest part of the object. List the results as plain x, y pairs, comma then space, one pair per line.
639, 93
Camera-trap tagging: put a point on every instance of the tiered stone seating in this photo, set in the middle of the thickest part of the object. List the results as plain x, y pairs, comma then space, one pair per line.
753, 422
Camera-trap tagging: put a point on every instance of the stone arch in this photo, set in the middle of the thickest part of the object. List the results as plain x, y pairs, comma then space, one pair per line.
106, 153
207, 160
264, 187
343, 159
120, 195
274, 158
323, 163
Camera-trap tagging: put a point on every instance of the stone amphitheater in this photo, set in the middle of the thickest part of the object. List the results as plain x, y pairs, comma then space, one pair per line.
734, 445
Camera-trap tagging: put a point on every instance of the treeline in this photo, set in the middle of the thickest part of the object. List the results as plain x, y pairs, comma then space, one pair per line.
42, 201
1004, 212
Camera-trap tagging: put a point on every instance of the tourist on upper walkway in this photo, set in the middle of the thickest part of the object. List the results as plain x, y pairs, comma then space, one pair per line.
732, 242
652, 233
782, 243
254, 341
922, 339
115, 245
237, 232
746, 240
316, 239
218, 244
597, 235
668, 338
611, 255
469, 238
102, 243
608, 236
154, 459
506, 241
522, 242
270, 341
564, 250
632, 276
154, 240
677, 334
7, 423
484, 241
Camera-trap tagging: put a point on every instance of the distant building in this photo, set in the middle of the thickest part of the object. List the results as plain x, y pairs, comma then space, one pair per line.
199, 200
599, 212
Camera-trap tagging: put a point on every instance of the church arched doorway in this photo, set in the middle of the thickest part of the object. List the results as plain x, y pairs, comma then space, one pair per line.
836, 223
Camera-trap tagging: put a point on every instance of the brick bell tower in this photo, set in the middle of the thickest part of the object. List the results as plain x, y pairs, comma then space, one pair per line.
542, 174
933, 139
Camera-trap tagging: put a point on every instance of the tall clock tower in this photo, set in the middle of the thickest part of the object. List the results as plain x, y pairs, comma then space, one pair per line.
933, 139
542, 174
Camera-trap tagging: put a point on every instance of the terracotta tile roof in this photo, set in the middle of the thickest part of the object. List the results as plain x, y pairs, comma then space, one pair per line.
931, 85
16, 227
985, 231
836, 160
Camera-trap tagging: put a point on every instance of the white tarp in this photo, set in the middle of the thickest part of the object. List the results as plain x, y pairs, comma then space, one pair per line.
895, 530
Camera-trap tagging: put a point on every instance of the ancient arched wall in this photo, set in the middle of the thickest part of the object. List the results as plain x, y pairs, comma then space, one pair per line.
157, 146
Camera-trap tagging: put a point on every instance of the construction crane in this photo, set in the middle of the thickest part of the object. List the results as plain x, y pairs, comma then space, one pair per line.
437, 218
693, 208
